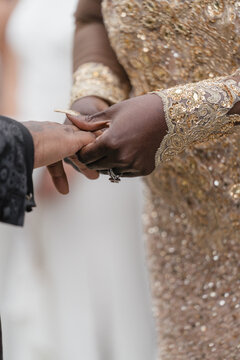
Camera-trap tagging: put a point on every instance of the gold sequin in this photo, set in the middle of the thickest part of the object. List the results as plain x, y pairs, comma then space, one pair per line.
197, 112
215, 9
235, 192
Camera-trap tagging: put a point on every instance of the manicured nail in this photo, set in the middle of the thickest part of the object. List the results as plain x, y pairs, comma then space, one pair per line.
67, 112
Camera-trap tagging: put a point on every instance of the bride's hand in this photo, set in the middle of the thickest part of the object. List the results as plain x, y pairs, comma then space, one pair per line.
137, 127
88, 105
53, 142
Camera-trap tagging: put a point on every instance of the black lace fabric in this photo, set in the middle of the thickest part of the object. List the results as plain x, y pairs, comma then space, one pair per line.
16, 166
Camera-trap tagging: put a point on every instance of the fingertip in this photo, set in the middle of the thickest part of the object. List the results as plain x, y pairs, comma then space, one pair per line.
92, 176
79, 121
74, 117
65, 192
62, 185
59, 177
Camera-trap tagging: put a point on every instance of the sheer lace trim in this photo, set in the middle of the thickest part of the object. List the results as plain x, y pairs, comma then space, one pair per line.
95, 79
198, 112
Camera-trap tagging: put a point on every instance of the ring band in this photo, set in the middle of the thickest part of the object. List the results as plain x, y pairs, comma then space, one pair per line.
114, 178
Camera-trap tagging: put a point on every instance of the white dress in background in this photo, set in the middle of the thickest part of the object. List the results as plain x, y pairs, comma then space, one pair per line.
72, 282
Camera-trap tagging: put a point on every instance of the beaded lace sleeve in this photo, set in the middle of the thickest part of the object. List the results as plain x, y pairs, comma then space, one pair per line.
198, 112
96, 79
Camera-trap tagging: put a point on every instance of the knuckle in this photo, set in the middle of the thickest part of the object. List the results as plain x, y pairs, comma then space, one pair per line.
127, 159
88, 118
138, 166
122, 161
68, 128
112, 143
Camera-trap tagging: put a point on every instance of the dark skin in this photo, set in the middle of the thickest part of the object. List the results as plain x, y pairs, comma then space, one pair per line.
86, 106
128, 146
46, 138
137, 127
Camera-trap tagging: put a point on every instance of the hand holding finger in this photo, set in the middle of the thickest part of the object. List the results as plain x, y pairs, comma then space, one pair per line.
79, 166
85, 107
93, 151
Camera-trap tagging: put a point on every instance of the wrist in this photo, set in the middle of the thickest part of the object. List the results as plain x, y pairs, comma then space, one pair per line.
155, 103
33, 129
235, 109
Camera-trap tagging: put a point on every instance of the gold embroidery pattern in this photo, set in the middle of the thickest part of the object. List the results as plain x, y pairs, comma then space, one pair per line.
196, 113
95, 79
174, 41
192, 216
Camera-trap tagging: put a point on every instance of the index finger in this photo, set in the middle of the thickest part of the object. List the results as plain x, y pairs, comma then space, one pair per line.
82, 124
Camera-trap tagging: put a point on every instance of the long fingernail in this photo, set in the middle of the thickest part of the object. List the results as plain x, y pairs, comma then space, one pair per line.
68, 112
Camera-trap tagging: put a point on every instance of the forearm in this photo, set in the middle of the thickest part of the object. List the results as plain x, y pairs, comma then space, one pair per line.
199, 112
97, 71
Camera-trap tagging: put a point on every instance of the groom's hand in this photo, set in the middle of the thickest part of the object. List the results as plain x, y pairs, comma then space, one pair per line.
53, 142
86, 106
137, 127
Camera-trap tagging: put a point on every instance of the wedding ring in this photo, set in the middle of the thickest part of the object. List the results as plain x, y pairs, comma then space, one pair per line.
114, 178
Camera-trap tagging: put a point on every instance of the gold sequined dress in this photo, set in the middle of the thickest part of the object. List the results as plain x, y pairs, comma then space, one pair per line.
192, 216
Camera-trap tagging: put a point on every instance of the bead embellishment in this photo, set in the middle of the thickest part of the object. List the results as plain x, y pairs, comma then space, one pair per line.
198, 112
96, 79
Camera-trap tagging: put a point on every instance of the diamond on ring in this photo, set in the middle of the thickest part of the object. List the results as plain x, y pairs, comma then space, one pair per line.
114, 178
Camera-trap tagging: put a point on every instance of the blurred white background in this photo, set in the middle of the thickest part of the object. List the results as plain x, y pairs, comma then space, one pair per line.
73, 282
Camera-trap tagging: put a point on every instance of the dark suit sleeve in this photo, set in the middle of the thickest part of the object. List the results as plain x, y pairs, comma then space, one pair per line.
16, 166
